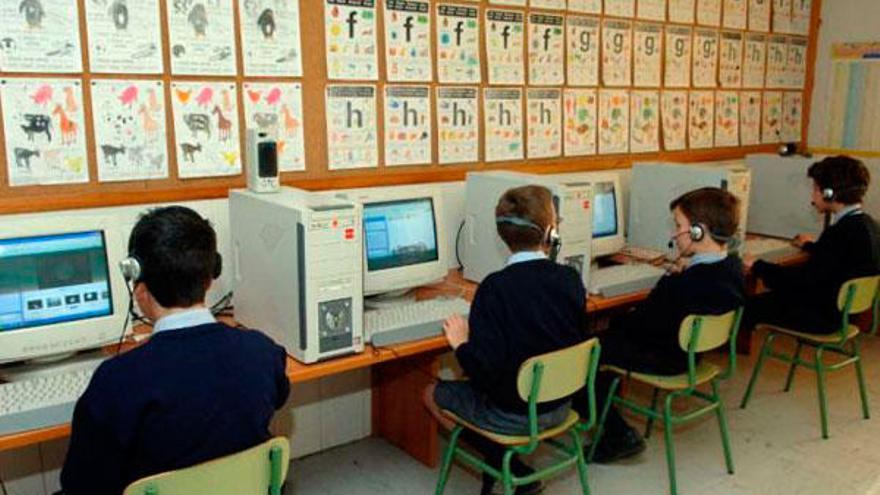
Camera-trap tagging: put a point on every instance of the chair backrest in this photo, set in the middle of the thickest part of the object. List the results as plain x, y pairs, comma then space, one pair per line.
259, 470
564, 372
864, 293
714, 331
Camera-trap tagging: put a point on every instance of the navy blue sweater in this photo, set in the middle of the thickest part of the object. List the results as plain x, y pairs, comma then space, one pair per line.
186, 396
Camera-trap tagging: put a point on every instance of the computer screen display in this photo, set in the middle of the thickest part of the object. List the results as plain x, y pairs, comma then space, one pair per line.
604, 210
53, 279
399, 233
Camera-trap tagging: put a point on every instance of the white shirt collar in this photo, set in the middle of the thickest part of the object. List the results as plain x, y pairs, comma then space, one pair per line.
706, 258
845, 212
184, 319
523, 256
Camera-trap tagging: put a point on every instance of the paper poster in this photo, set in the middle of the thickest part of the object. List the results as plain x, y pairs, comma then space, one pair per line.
44, 128
705, 66
502, 114
648, 55
458, 44
270, 37
407, 125
796, 63
546, 49
731, 60
645, 120
771, 120
677, 71
673, 111
781, 16
457, 125
408, 40
652, 10
351, 127
124, 37
620, 8
581, 114
709, 12
130, 137
682, 11
801, 15
350, 30
750, 118
736, 14
515, 3
206, 128
277, 107
726, 118
582, 64
792, 119
613, 121
202, 38
755, 60
701, 119
617, 53
40, 36
544, 114
504, 47
777, 55
586, 6
547, 4
759, 15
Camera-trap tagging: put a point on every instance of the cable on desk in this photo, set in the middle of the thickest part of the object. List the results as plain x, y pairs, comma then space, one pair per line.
457, 238
3, 486
223, 305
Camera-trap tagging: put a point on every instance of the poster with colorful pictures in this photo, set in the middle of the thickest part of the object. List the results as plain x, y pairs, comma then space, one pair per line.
130, 137
515, 3
270, 37
40, 36
709, 12
781, 16
44, 128
613, 121
580, 107
585, 6
458, 125
652, 10
792, 118
124, 37
648, 64
407, 125
617, 53
677, 71
755, 60
777, 56
544, 121
759, 15
546, 49
582, 63
645, 119
750, 118
502, 117
682, 11
350, 30
504, 46
796, 63
701, 119
673, 112
547, 4
277, 108
801, 15
771, 117
735, 14
620, 8
206, 128
458, 43
705, 66
202, 38
731, 60
726, 118
408, 41
351, 127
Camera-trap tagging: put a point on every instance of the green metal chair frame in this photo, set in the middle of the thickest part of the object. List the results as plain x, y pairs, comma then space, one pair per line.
697, 333
856, 296
256, 471
542, 378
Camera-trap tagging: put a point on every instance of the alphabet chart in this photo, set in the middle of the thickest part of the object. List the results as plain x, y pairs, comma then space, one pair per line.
206, 128
579, 133
548, 4
648, 52
759, 15
620, 8
792, 119
796, 63
124, 36
709, 12
750, 118
582, 63
652, 10
351, 127
802, 11
270, 37
645, 120
705, 67
613, 121
735, 14
677, 73
504, 46
515, 3
408, 40
781, 16
544, 114
682, 11
277, 107
457, 125
407, 125
40, 36
502, 115
350, 30
674, 111
730, 72
617, 53
458, 44
771, 120
755, 60
202, 37
777, 54
585, 6
546, 49
726, 118
701, 119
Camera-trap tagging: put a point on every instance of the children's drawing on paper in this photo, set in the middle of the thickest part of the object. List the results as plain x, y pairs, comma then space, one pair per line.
458, 125
458, 44
677, 73
726, 118
350, 31
674, 111
701, 119
613, 121
750, 118
40, 36
502, 115
351, 127
546, 49
206, 129
582, 66
408, 40
270, 37
124, 36
544, 114
504, 47
407, 125
202, 37
277, 108
645, 121
617, 53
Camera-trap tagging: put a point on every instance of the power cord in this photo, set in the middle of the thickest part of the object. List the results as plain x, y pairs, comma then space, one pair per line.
3, 486
457, 240
223, 307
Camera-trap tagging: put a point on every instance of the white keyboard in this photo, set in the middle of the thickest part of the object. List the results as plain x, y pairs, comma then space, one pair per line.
41, 401
410, 321
640, 253
769, 249
624, 279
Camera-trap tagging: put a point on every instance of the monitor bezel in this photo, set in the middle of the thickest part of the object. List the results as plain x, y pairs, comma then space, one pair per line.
379, 204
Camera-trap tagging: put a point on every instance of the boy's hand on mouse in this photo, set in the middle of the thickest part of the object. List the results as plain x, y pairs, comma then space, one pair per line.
457, 330
748, 261
801, 239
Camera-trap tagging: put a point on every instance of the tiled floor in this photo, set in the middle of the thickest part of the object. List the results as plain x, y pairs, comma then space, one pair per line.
776, 445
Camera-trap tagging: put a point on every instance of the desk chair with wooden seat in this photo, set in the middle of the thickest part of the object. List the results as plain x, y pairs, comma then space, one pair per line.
696, 334
856, 296
541, 379
259, 470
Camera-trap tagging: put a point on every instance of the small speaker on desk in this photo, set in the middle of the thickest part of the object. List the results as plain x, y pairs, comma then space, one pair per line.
262, 161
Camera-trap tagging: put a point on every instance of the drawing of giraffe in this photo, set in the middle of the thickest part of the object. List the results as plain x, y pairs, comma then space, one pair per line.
148, 123
290, 122
67, 126
224, 125
70, 103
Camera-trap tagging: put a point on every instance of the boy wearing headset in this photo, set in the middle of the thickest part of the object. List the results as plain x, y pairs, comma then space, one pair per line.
531, 307
198, 390
709, 281
804, 297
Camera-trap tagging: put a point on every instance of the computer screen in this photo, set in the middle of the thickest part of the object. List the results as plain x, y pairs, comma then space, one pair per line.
604, 210
400, 233
53, 279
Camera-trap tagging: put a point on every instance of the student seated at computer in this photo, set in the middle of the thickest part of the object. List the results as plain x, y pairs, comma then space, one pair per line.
198, 390
707, 280
804, 297
530, 307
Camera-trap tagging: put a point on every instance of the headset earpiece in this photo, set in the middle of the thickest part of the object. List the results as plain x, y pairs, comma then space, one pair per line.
130, 268
828, 194
697, 232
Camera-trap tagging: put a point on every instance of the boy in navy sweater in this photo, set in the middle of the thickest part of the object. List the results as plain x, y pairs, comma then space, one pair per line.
531, 307
198, 390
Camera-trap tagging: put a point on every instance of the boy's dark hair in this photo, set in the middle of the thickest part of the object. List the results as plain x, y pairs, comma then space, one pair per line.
715, 209
177, 250
846, 176
530, 203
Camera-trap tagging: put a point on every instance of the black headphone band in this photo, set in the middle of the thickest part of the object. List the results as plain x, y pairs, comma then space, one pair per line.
133, 268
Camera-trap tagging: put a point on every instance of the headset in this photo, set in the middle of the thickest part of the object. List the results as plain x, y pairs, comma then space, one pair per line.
132, 268
551, 236
830, 193
697, 232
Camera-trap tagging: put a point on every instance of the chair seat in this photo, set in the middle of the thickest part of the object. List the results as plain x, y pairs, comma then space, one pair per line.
831, 338
704, 373
502, 439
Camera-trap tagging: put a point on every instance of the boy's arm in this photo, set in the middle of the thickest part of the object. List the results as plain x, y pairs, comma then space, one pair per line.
94, 456
484, 354
281, 381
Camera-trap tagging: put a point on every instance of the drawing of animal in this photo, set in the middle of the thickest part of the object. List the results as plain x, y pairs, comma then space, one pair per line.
189, 151
290, 122
198, 122
136, 156
198, 19
68, 127
8, 43
227, 101
118, 11
62, 50
74, 163
42, 95
266, 23
230, 157
205, 96
111, 152
70, 100
36, 124
224, 125
183, 95
153, 100
156, 161
23, 157
33, 13
265, 120
148, 123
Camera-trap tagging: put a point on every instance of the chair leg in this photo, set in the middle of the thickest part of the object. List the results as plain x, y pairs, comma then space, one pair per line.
722, 424
650, 425
820, 382
601, 428
860, 376
765, 348
670, 450
581, 461
447, 460
506, 475
794, 365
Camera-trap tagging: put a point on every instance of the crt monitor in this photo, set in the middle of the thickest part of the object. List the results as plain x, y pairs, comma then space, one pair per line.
608, 231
